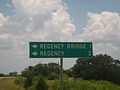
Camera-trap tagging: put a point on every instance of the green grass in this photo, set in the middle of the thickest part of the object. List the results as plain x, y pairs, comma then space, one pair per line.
8, 84
79, 84
69, 84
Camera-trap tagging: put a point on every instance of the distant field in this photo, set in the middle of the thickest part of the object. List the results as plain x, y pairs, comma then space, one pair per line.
7, 77
7, 83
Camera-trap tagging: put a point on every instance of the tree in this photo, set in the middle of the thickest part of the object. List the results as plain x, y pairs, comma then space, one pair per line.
45, 69
28, 82
2, 75
13, 73
27, 71
41, 69
53, 76
41, 84
100, 67
69, 72
53, 67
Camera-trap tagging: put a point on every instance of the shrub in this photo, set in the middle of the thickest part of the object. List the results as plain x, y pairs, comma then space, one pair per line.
2, 75
28, 82
41, 84
19, 81
53, 76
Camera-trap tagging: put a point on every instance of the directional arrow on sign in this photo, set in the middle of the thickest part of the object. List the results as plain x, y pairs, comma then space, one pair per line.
34, 46
34, 53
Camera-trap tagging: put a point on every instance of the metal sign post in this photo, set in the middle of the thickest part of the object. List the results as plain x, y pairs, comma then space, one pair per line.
61, 74
60, 50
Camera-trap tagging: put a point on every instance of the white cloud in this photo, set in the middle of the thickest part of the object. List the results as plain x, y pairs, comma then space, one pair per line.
33, 20
36, 7
104, 31
3, 19
47, 20
59, 26
3, 36
40, 20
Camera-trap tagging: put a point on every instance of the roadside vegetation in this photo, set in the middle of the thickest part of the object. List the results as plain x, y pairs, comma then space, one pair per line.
8, 84
101, 72
69, 84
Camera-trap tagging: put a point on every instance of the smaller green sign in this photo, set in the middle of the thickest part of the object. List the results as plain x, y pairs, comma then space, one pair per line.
60, 49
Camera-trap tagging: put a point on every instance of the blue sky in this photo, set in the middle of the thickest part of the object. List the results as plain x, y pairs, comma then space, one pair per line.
22, 21
78, 9
4, 8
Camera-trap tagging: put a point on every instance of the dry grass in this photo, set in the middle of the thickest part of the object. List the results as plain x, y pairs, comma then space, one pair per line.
7, 83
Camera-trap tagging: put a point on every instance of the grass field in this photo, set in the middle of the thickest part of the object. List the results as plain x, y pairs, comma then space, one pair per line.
77, 84
8, 84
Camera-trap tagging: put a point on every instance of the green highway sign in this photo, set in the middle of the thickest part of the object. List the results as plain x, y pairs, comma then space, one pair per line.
60, 49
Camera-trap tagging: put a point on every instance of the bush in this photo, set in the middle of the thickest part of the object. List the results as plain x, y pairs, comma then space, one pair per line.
41, 84
19, 81
69, 72
13, 73
2, 75
53, 76
32, 87
100, 67
80, 84
28, 82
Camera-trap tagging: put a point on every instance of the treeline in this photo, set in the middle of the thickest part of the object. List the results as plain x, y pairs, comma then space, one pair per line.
100, 67
49, 71
35, 76
10, 74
